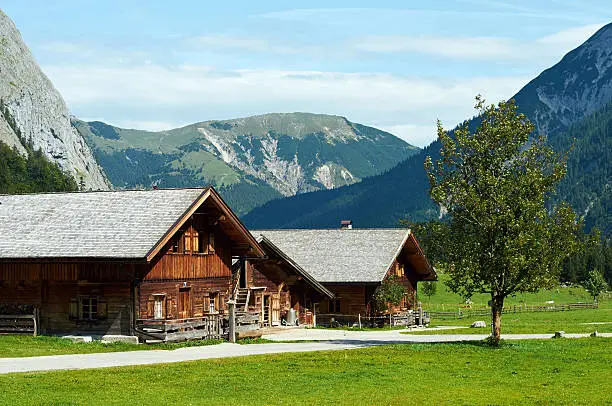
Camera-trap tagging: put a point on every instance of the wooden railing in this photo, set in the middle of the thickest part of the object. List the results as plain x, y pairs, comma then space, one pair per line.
20, 321
211, 326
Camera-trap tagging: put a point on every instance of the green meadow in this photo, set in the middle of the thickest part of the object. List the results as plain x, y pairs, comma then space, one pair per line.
563, 371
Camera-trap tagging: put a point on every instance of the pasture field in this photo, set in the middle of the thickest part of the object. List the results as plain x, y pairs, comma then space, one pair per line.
445, 300
574, 321
559, 371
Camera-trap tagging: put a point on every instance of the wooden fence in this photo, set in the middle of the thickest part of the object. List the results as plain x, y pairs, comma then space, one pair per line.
486, 311
351, 320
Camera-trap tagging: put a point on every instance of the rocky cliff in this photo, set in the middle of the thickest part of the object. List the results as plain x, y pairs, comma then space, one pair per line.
34, 112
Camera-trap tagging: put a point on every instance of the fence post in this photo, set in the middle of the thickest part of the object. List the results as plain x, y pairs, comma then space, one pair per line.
35, 319
360, 321
420, 314
232, 320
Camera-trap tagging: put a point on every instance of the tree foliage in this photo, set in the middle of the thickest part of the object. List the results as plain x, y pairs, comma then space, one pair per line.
389, 293
595, 283
494, 183
31, 174
429, 288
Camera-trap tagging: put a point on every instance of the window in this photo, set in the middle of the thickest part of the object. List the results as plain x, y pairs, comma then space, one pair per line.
176, 245
334, 306
159, 306
87, 308
399, 269
213, 302
211, 242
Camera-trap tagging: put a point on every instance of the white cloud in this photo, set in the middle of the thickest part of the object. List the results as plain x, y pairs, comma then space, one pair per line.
452, 47
480, 48
202, 93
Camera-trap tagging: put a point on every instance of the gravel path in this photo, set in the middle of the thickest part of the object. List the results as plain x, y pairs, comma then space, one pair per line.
323, 340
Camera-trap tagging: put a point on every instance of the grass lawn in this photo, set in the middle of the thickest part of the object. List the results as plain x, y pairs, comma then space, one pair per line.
445, 300
543, 372
28, 346
525, 323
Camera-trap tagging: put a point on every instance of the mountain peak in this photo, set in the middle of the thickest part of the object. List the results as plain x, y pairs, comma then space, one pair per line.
295, 125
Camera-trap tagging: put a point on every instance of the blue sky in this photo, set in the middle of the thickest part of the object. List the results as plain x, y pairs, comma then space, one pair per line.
396, 65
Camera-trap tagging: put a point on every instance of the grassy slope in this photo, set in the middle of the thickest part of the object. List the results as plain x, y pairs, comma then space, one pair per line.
445, 300
515, 323
550, 372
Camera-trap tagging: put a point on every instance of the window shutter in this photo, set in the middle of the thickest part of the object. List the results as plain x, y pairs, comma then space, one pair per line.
74, 309
102, 308
188, 240
150, 307
196, 241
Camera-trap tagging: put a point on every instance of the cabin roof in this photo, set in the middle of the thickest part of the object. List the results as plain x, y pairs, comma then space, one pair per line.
109, 224
269, 245
349, 255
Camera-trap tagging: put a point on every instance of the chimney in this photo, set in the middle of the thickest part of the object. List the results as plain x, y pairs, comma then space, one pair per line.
346, 224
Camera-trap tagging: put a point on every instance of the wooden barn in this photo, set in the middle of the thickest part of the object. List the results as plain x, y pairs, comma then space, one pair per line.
352, 263
156, 264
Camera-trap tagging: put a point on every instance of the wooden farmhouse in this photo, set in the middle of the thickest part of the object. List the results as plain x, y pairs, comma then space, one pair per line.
156, 264
351, 264
163, 265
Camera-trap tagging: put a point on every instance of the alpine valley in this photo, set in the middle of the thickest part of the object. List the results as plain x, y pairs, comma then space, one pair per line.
570, 103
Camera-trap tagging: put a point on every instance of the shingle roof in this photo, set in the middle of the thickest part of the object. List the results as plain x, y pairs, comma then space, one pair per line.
340, 255
121, 224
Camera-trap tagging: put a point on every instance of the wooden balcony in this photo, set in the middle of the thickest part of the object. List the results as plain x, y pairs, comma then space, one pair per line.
212, 326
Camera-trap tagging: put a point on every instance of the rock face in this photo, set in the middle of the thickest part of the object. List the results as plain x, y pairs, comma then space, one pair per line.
291, 152
34, 112
580, 84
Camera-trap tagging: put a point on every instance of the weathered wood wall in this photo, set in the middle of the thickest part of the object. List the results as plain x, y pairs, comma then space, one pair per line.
200, 290
174, 266
274, 286
51, 286
352, 298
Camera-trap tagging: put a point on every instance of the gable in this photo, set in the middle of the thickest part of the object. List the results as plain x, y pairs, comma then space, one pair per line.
347, 256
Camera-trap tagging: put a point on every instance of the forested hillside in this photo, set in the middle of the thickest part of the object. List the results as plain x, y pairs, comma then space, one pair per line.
31, 174
587, 185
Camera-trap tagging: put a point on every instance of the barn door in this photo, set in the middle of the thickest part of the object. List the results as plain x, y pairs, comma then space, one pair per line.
275, 310
184, 303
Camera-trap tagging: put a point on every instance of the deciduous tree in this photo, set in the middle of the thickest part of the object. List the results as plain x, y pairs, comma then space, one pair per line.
493, 184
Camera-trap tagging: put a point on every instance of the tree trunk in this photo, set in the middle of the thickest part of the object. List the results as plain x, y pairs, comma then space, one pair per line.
497, 305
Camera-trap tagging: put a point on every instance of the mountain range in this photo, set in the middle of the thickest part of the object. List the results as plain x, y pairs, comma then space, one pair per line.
300, 170
569, 100
259, 157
